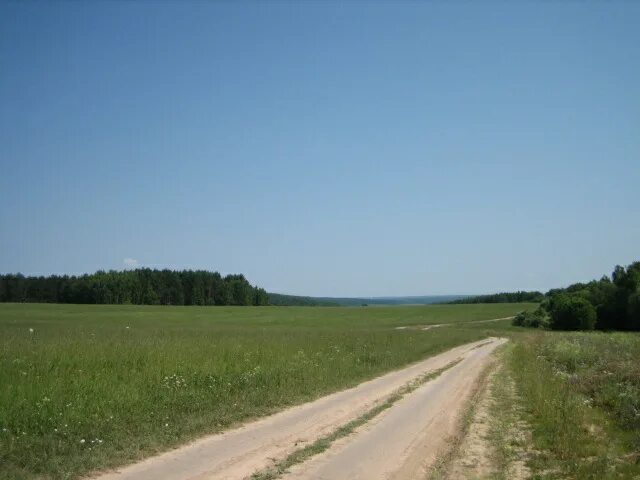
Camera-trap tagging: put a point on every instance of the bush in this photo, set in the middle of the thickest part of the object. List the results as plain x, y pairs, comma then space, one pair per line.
535, 319
570, 312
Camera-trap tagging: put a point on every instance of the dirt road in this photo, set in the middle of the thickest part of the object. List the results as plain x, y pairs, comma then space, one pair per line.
404, 442
398, 443
453, 324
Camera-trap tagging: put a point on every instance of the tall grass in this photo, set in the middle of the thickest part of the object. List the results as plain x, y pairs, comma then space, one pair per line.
582, 394
87, 387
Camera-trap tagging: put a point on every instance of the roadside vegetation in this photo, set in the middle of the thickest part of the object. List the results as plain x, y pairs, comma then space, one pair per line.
509, 434
86, 387
581, 396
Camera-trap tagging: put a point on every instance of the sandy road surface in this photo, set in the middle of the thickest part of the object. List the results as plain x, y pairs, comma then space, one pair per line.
238, 453
405, 441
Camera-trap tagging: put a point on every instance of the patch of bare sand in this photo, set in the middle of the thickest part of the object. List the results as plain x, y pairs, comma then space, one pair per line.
473, 458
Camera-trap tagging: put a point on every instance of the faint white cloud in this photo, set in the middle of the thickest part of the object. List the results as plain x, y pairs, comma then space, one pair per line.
131, 263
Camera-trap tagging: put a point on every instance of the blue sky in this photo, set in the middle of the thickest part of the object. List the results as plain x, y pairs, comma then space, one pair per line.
323, 148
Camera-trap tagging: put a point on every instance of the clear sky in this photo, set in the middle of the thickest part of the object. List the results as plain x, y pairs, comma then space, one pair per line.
323, 148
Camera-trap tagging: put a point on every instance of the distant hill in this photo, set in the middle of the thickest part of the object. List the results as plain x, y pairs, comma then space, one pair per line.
280, 299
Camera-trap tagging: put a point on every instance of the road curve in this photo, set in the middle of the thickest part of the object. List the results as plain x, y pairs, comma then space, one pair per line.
404, 442
238, 453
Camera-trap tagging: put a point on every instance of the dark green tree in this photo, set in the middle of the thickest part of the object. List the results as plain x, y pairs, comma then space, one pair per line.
571, 312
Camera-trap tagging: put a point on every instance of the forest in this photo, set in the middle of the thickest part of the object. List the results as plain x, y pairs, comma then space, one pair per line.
611, 303
503, 297
142, 286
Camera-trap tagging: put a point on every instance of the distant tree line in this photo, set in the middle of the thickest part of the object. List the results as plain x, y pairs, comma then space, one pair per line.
139, 287
503, 297
290, 300
611, 303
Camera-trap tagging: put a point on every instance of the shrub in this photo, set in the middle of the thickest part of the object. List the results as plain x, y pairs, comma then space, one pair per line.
570, 312
535, 319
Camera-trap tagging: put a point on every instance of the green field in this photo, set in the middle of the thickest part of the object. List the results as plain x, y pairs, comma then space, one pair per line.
85, 387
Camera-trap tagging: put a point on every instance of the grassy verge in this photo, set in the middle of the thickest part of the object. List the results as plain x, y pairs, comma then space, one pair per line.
581, 395
88, 387
508, 433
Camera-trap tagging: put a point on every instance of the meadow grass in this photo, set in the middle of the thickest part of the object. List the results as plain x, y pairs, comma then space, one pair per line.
581, 392
89, 387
